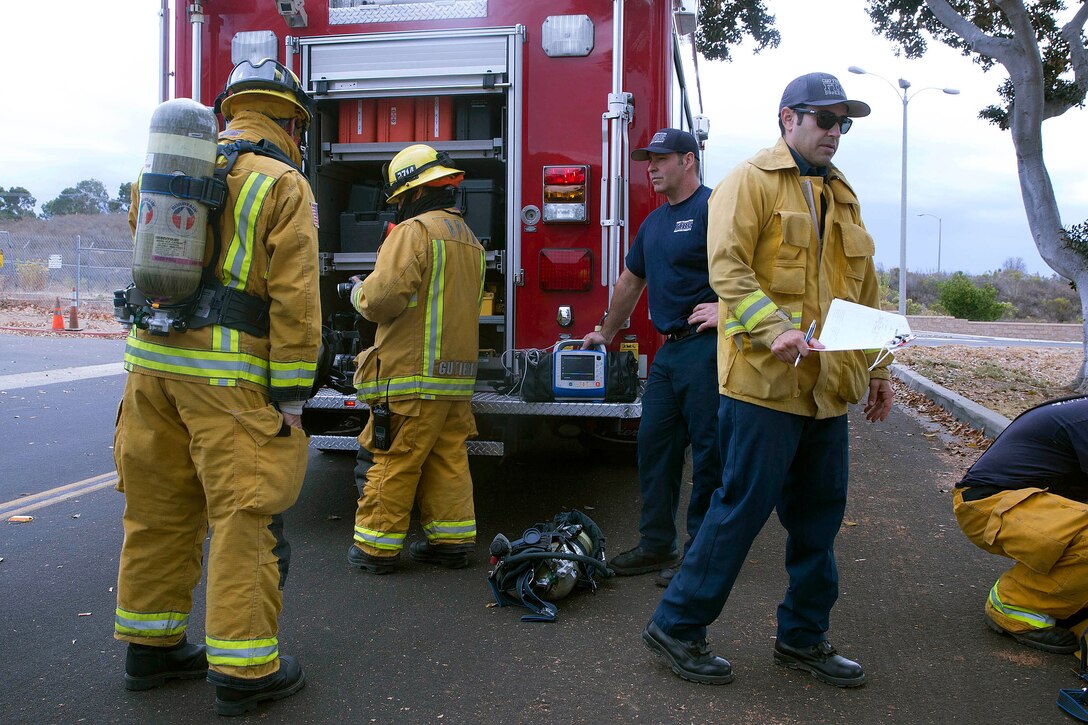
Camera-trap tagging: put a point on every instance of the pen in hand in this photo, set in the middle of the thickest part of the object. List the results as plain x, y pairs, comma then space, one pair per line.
808, 336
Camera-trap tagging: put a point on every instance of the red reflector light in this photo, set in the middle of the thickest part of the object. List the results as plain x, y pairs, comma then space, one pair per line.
564, 174
349, 403
565, 269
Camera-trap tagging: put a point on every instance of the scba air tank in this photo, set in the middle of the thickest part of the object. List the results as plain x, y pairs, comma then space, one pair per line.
171, 231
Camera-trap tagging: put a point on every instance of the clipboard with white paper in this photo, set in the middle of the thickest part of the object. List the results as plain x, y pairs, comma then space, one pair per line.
850, 326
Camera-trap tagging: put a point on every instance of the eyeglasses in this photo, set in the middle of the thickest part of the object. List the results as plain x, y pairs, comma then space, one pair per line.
827, 119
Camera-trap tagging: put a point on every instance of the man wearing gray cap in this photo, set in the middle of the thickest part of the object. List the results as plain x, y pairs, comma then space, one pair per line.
785, 238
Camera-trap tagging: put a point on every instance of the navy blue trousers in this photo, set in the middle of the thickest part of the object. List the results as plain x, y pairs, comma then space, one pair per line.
795, 464
679, 408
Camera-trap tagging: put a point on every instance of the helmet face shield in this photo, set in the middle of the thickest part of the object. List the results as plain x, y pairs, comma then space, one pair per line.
265, 77
266, 74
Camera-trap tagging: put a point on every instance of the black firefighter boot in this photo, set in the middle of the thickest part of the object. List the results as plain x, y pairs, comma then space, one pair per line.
451, 556
147, 666
237, 696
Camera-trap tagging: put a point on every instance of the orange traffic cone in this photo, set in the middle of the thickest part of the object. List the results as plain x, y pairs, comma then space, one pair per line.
58, 319
73, 315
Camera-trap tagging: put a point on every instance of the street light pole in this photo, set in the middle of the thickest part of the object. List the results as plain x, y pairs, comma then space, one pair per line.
938, 239
904, 86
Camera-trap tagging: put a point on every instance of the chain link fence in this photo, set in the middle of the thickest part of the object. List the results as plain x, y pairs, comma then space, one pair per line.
37, 268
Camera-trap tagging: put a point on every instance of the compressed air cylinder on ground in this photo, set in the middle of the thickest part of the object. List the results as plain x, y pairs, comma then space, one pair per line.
171, 232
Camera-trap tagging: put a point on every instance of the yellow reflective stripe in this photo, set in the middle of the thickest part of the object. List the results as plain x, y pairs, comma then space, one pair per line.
451, 529
241, 653
1038, 620
732, 327
417, 384
239, 256
754, 308
209, 364
483, 273
432, 317
149, 624
293, 374
388, 541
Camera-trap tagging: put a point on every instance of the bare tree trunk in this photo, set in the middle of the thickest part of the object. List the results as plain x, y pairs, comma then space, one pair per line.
1081, 382
1020, 55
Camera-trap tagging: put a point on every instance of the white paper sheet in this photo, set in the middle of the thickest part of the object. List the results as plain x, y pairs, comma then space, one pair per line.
850, 326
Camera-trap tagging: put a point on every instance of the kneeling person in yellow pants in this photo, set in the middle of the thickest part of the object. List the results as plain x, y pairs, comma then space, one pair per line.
1025, 498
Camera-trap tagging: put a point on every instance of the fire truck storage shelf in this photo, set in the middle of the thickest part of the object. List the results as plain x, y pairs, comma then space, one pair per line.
472, 149
329, 262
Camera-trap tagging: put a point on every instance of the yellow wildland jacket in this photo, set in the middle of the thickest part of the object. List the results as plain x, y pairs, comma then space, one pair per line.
268, 238
424, 294
773, 271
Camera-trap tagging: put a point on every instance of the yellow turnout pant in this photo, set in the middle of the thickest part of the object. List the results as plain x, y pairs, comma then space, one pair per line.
188, 455
1045, 535
426, 463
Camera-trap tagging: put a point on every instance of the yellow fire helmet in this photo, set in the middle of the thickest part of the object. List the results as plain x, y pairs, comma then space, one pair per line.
268, 87
419, 165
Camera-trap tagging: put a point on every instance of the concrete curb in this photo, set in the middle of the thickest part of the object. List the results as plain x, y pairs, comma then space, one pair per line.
964, 410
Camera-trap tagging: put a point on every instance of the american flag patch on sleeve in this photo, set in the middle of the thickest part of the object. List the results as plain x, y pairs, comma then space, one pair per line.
313, 208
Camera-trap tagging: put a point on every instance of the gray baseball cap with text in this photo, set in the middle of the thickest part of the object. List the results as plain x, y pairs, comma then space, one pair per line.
820, 89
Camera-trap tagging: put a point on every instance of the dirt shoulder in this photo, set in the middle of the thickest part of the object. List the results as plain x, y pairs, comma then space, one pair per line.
24, 318
1007, 380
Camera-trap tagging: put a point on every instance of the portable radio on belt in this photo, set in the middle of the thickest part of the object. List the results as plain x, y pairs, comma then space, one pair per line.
382, 418
577, 374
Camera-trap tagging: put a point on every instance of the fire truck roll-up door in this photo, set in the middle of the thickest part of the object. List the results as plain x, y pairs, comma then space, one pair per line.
405, 83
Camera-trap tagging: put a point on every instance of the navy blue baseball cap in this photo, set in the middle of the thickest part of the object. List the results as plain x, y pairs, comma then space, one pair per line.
820, 89
668, 141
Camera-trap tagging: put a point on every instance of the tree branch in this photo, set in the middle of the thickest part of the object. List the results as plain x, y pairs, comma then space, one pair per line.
980, 42
1073, 33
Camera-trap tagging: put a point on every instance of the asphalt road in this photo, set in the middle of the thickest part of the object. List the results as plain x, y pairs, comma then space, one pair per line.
425, 646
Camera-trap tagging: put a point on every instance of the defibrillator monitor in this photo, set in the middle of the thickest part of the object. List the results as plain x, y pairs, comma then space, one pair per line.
577, 374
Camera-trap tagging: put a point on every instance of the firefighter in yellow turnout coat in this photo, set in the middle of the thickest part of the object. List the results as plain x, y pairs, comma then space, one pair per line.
424, 294
209, 430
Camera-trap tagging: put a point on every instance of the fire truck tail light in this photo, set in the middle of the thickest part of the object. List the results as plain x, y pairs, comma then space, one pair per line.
566, 193
565, 174
565, 270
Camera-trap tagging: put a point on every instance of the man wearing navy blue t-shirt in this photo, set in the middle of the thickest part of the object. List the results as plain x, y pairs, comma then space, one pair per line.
679, 404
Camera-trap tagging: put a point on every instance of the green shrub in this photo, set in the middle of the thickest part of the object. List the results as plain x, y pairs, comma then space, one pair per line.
963, 299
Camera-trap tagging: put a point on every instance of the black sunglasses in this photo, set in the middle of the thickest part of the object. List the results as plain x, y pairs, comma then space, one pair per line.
827, 119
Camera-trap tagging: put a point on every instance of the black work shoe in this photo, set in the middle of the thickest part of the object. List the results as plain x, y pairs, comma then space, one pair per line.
1058, 640
147, 666
822, 661
692, 661
237, 696
665, 576
369, 562
451, 556
639, 561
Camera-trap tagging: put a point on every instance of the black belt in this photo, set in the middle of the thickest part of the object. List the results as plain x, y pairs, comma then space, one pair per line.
683, 332
980, 491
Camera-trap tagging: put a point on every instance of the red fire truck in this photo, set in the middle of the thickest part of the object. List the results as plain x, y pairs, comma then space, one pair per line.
540, 104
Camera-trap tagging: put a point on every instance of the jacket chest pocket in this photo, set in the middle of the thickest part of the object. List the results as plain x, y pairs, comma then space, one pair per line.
857, 249
791, 261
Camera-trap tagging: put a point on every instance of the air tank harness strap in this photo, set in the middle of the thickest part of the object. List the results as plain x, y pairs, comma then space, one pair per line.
219, 305
264, 147
211, 192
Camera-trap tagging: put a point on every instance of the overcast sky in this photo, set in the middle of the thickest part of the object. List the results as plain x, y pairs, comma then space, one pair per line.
80, 84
